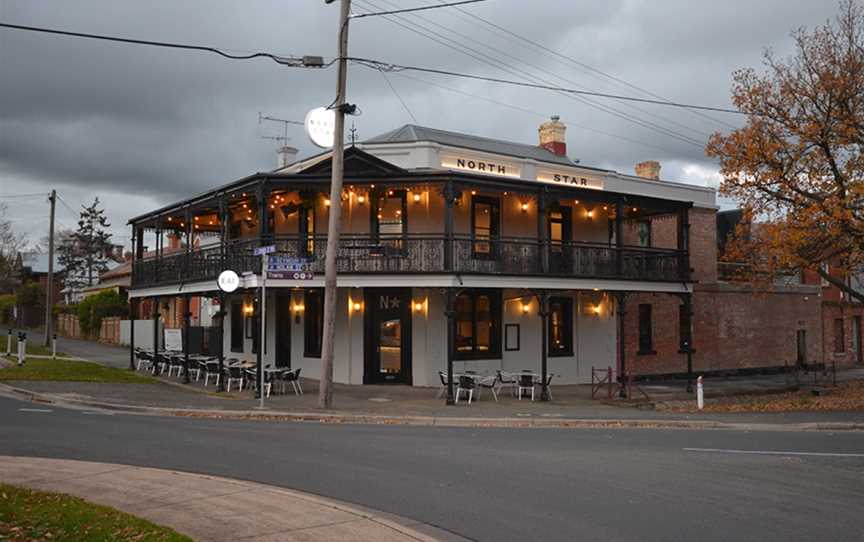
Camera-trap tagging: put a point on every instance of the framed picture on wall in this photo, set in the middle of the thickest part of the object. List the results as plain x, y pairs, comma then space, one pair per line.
511, 337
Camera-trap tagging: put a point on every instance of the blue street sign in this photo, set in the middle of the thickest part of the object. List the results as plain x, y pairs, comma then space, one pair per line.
260, 251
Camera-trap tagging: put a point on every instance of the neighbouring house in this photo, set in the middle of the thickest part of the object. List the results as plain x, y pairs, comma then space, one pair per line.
32, 268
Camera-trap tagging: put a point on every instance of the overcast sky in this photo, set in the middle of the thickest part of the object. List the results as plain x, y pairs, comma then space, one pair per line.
143, 126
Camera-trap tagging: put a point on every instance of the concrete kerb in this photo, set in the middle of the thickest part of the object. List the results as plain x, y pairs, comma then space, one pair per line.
372, 419
407, 529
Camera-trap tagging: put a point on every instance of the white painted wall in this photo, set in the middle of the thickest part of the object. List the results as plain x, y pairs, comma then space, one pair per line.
143, 333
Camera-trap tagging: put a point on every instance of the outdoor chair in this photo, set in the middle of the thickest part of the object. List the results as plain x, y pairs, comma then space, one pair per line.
506, 380
234, 373
211, 368
291, 376
175, 362
252, 379
196, 366
526, 383
466, 384
490, 383
145, 359
443, 376
161, 363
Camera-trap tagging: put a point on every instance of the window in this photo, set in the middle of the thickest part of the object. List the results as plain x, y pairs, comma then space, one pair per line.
478, 324
643, 233
313, 324
646, 339
560, 326
237, 326
839, 336
484, 226
389, 220
306, 229
684, 329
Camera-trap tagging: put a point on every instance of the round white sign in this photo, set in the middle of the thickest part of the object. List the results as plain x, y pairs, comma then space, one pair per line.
320, 126
228, 281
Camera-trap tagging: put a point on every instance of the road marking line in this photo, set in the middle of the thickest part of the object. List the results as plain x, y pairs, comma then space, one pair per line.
96, 412
35, 410
768, 452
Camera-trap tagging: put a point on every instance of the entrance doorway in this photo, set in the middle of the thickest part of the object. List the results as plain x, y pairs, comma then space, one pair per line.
283, 330
801, 341
388, 336
560, 233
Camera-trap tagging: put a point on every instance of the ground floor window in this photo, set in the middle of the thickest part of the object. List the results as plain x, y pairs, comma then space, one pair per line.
237, 326
313, 325
839, 336
560, 331
478, 324
646, 334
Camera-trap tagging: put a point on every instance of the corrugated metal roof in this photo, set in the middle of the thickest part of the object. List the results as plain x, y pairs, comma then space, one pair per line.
410, 133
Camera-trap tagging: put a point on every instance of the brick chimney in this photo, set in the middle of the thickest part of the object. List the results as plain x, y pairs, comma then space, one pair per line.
649, 169
552, 136
287, 155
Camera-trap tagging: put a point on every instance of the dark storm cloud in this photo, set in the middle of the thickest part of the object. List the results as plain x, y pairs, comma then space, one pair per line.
144, 126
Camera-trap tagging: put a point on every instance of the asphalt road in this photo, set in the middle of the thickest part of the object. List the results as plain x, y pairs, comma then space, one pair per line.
500, 484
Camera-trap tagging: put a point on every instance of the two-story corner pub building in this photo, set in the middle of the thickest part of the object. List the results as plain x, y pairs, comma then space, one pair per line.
495, 254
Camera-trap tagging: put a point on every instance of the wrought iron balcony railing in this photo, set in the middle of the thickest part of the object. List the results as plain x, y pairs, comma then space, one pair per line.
425, 254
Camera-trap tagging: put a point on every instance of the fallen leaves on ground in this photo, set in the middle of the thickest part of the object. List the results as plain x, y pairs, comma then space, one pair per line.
847, 396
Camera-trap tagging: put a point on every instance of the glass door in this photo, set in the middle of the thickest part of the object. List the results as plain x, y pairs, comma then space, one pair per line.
388, 333
560, 233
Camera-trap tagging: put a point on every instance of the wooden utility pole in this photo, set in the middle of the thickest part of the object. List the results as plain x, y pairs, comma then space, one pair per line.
325, 392
49, 290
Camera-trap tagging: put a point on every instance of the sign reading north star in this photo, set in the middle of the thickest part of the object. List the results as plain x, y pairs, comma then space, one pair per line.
501, 168
569, 178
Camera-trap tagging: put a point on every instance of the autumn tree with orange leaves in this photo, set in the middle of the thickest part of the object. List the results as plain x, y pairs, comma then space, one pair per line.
797, 165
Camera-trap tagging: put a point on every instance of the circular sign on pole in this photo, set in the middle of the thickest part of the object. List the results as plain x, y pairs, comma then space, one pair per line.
320, 126
228, 281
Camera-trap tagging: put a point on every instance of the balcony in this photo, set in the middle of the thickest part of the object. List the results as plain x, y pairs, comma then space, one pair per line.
424, 254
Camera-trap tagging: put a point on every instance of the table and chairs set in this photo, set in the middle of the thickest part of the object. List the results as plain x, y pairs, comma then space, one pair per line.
519, 383
237, 373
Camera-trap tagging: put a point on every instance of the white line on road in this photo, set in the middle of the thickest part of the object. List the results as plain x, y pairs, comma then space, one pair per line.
97, 412
769, 452
35, 410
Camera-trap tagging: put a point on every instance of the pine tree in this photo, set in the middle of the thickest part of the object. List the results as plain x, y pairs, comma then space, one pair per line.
84, 253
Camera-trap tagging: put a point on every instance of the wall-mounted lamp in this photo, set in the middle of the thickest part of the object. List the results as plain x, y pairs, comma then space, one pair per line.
524, 207
327, 202
597, 309
590, 214
576, 202
416, 197
361, 199
473, 192
298, 310
526, 308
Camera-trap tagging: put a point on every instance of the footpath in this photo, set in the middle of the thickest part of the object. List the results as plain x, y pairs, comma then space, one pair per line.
572, 406
207, 508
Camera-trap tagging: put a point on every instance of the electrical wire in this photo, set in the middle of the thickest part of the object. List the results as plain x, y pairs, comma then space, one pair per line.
24, 196
486, 59
283, 60
407, 10
75, 214
404, 105
583, 65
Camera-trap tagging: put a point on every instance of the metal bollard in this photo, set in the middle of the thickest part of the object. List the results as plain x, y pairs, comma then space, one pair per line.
700, 395
54, 346
22, 347
9, 343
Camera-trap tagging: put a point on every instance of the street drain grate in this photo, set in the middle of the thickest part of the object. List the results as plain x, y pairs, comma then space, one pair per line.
380, 400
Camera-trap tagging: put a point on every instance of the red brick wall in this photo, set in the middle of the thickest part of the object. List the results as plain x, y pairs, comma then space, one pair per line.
733, 329
703, 245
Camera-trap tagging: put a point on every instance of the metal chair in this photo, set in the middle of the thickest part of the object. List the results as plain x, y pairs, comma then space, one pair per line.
443, 376
526, 382
175, 362
291, 376
489, 383
506, 380
466, 384
234, 373
145, 359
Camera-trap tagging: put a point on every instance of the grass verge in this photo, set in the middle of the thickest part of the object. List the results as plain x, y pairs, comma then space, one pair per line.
29, 515
34, 345
72, 371
847, 396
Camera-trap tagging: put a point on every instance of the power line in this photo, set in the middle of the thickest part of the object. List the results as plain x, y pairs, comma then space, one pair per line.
404, 105
24, 196
407, 10
389, 67
583, 64
291, 61
487, 59
75, 214
529, 111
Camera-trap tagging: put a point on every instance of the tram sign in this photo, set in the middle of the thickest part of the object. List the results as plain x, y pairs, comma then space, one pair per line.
286, 267
228, 281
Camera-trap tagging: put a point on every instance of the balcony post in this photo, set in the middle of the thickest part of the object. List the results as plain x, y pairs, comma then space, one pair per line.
684, 244
450, 313
543, 299
542, 233
187, 323
263, 195
619, 237
187, 216
449, 195
621, 313
157, 260
223, 229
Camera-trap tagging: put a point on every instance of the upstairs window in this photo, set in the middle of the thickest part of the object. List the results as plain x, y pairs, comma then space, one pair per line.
485, 227
306, 227
389, 218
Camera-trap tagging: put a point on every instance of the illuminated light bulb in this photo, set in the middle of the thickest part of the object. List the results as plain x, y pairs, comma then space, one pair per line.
244, 194
526, 308
356, 306
272, 206
398, 212
245, 206
211, 222
635, 209
380, 216
196, 219
327, 202
524, 207
361, 199
605, 208
170, 219
372, 186
576, 201
596, 309
473, 192
416, 198
418, 306
389, 192
505, 193
590, 214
